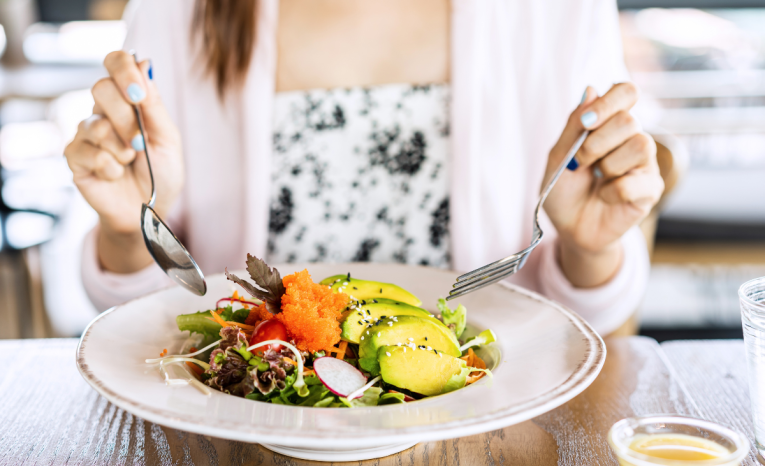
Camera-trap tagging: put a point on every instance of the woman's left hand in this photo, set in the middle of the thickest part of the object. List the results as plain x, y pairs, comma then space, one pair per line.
614, 187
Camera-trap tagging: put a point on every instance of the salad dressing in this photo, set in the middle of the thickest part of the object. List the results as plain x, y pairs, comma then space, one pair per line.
675, 447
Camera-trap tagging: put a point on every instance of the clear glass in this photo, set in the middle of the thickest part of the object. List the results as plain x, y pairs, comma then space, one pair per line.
735, 446
752, 299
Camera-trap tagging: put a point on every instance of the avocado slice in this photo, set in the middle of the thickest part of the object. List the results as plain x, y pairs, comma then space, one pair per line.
366, 290
425, 372
411, 331
361, 315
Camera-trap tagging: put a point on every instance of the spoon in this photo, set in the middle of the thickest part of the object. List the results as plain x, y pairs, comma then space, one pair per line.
166, 249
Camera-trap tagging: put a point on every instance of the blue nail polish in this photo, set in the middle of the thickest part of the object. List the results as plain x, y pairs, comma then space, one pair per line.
573, 164
151, 70
589, 119
138, 143
135, 93
584, 97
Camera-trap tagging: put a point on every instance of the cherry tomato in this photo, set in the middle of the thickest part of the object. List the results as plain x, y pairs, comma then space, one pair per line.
268, 330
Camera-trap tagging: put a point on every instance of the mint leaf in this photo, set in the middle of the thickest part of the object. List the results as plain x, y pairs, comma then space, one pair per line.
268, 283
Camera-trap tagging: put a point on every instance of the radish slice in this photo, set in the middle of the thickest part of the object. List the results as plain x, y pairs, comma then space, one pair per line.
338, 376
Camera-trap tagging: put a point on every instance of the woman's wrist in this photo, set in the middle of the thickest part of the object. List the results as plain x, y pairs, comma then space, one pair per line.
588, 269
121, 252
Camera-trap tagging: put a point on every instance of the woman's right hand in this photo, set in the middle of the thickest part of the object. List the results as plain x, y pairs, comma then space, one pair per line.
109, 168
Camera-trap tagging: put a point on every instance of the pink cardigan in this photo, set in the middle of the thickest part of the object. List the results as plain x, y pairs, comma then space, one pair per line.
518, 69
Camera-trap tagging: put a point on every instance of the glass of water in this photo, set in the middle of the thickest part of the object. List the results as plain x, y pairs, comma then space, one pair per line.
752, 299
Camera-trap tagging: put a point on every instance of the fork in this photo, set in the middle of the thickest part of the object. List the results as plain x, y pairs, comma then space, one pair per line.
496, 271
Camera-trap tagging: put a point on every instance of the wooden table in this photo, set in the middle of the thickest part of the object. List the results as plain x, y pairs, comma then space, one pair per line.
49, 415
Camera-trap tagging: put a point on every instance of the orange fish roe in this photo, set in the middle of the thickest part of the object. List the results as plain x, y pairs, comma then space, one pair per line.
310, 312
258, 314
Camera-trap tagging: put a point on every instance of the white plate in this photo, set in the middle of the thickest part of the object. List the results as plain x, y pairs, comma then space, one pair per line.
545, 355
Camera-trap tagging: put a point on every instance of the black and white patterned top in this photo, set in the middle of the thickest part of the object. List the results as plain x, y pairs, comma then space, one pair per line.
361, 174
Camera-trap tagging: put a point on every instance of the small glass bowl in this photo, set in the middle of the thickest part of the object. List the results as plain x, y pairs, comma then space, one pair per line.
623, 432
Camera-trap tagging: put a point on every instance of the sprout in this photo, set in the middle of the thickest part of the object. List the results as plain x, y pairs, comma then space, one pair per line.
156, 360
358, 393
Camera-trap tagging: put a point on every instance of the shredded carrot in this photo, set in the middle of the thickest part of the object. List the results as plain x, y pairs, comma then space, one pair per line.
235, 295
244, 327
340, 350
195, 368
219, 311
308, 372
473, 360
218, 319
290, 361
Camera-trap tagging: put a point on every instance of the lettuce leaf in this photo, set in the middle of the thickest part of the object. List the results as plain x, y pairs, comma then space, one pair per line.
454, 319
391, 399
483, 338
371, 397
457, 381
198, 322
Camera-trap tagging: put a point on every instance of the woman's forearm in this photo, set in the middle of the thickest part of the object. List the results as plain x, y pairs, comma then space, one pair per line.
587, 269
122, 252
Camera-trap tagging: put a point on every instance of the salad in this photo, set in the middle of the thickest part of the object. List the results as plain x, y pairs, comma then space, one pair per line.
342, 342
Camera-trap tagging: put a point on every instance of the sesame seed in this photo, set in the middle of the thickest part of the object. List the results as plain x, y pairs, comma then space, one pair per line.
367, 332
390, 324
439, 354
378, 334
348, 277
355, 288
426, 338
380, 290
387, 353
374, 301
430, 349
362, 337
411, 339
361, 323
345, 283
398, 344
404, 350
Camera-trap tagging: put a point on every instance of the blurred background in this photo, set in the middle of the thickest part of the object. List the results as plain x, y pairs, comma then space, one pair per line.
700, 65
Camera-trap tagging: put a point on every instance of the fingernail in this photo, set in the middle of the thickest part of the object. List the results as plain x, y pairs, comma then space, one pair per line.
596, 171
151, 70
573, 164
589, 119
135, 93
138, 143
584, 97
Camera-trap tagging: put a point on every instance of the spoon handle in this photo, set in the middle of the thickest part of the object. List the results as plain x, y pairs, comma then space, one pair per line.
139, 117
146, 151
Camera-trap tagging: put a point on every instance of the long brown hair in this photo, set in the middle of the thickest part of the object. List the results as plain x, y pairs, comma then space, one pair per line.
227, 29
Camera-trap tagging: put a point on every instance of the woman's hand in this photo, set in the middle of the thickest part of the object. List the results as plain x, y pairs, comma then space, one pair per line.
110, 170
614, 187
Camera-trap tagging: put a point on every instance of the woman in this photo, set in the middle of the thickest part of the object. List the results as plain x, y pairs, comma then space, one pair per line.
416, 132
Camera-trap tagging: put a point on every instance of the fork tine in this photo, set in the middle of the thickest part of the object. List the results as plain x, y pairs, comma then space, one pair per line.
489, 267
507, 266
502, 263
456, 293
